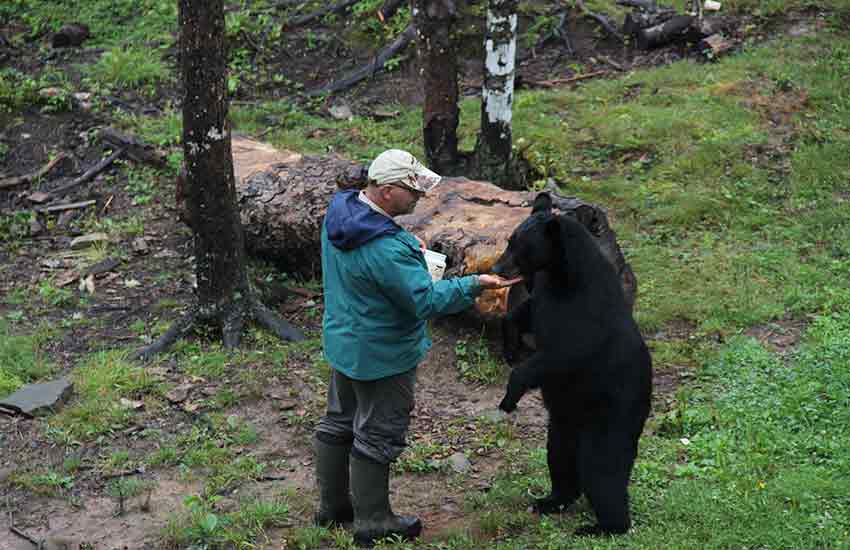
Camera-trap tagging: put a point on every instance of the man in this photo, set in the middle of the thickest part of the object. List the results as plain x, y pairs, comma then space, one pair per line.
378, 298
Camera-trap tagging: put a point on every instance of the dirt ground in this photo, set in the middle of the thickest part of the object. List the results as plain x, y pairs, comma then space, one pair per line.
131, 291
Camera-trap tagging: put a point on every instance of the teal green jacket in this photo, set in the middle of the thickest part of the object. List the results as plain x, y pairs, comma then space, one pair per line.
378, 292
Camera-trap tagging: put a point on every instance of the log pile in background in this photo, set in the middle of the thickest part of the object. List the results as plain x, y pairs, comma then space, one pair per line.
651, 25
283, 198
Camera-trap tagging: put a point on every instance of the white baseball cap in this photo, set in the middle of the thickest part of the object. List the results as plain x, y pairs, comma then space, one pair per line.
398, 167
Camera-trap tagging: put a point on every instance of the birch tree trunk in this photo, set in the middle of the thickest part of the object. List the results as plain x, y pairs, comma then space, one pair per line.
434, 21
493, 150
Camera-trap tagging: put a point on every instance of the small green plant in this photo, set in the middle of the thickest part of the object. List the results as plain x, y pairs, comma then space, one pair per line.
141, 184
49, 483
202, 526
15, 226
128, 67
476, 363
54, 296
124, 488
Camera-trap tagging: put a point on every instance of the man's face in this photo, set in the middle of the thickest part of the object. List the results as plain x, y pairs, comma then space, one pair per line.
401, 200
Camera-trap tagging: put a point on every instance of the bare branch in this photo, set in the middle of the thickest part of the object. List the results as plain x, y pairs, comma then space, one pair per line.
368, 70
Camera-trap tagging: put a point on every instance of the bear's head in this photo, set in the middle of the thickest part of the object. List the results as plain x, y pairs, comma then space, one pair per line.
558, 244
535, 243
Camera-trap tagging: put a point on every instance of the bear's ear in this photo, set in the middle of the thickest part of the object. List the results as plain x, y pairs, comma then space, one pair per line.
542, 203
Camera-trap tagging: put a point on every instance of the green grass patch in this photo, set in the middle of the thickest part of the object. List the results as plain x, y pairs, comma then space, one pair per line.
128, 67
201, 525
22, 359
99, 384
19, 90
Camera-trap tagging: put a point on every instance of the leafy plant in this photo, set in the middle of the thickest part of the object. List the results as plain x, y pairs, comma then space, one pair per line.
477, 364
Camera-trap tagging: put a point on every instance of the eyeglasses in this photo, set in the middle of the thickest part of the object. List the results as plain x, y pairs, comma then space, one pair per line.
406, 188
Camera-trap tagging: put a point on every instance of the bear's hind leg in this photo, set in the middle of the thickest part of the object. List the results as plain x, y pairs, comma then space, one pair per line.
606, 463
561, 457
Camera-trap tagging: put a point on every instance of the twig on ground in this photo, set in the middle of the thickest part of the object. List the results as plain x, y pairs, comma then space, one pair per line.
26, 178
559, 81
88, 174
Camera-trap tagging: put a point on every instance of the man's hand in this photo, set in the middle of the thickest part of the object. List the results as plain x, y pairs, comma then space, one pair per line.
494, 281
422, 246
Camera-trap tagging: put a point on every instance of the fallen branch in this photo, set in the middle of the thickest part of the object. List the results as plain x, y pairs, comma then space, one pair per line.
368, 70
24, 536
26, 178
123, 474
88, 174
135, 148
601, 19
611, 62
69, 206
310, 17
560, 81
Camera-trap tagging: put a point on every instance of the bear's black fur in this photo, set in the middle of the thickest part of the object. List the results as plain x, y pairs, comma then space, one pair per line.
591, 364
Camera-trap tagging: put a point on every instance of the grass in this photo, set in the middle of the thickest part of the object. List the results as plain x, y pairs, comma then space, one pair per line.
728, 186
99, 384
22, 359
201, 526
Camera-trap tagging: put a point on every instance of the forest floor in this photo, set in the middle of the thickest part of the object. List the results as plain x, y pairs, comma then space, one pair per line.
230, 428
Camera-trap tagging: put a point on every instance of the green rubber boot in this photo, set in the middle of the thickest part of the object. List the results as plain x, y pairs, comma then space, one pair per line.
332, 478
373, 517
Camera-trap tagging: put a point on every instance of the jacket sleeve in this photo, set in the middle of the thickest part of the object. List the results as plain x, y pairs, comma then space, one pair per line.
403, 278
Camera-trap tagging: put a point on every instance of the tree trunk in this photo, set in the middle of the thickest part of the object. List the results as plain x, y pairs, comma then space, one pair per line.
210, 185
493, 150
284, 197
434, 21
209, 190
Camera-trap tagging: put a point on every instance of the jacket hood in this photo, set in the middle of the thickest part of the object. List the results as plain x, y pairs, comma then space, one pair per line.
351, 223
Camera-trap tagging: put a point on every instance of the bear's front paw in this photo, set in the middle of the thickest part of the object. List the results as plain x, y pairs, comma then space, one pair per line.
508, 405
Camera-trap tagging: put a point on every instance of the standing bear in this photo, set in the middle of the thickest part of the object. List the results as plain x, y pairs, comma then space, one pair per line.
591, 364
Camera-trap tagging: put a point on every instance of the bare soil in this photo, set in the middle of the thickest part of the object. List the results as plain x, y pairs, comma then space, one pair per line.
84, 513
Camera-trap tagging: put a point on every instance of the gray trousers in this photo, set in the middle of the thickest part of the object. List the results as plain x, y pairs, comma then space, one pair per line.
374, 414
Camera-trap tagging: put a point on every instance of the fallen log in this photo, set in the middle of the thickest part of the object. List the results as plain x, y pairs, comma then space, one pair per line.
283, 203
666, 32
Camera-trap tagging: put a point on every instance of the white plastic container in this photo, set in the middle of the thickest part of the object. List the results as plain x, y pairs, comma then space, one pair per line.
711, 5
436, 264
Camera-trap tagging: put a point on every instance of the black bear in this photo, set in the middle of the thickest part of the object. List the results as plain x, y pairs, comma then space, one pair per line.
591, 364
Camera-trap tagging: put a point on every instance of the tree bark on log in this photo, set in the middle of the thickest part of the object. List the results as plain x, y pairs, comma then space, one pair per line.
665, 32
283, 198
